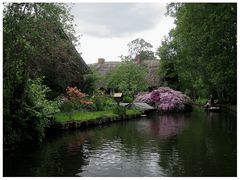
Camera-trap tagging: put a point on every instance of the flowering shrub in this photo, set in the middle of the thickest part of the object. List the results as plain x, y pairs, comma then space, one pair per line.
166, 99
75, 94
76, 100
143, 97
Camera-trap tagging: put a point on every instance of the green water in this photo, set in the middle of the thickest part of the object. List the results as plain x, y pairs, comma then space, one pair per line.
192, 144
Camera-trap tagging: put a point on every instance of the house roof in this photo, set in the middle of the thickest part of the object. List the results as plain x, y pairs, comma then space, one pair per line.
74, 57
104, 68
60, 63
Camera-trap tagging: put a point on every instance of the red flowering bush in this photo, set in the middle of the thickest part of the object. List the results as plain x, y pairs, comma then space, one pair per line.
76, 101
75, 94
166, 99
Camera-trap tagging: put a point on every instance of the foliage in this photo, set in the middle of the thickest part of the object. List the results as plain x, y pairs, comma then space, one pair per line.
139, 48
34, 116
75, 94
166, 99
76, 101
144, 97
126, 77
120, 110
93, 81
204, 46
41, 109
101, 103
37, 94
167, 70
127, 99
39, 36
201, 101
32, 41
68, 106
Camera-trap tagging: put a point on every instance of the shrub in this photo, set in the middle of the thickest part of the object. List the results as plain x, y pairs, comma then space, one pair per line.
38, 111
166, 99
101, 103
76, 101
143, 97
120, 110
67, 106
127, 99
75, 94
201, 101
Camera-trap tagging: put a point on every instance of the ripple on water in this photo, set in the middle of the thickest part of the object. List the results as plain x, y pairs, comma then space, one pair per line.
112, 160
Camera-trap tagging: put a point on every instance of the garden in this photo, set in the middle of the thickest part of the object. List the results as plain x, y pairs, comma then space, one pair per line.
78, 106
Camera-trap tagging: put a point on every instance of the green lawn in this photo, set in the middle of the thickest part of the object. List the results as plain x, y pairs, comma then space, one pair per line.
82, 116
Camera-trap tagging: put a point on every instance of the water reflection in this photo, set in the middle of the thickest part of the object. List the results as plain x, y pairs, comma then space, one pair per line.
194, 144
166, 126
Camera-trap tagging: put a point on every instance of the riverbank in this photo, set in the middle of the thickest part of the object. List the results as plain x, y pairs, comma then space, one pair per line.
65, 121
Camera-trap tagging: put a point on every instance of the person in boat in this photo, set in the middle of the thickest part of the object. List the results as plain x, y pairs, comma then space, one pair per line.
207, 105
210, 102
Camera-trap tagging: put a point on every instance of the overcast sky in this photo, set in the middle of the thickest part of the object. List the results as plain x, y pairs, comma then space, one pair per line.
107, 28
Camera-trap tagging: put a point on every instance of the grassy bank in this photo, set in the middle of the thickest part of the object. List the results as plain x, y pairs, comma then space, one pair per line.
83, 116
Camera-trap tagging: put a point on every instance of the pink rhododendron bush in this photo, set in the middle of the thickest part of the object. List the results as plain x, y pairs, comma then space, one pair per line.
166, 99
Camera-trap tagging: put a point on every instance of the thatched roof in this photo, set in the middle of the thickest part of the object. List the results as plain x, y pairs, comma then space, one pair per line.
104, 68
152, 66
74, 57
152, 76
60, 62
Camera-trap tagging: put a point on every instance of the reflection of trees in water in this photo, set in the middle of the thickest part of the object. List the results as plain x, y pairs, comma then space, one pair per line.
53, 158
224, 121
202, 149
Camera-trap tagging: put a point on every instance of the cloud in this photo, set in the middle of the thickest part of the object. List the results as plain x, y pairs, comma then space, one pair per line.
116, 19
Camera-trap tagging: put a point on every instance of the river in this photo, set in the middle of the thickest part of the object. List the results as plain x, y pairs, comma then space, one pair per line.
195, 144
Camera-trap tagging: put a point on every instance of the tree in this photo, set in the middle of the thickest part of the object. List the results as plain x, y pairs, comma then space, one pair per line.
128, 78
167, 69
32, 37
93, 81
205, 48
139, 48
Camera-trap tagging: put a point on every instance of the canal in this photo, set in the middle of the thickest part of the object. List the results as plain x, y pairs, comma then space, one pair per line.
191, 144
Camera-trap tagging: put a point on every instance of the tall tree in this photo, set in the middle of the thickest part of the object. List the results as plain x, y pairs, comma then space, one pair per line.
205, 46
128, 77
31, 37
167, 70
139, 48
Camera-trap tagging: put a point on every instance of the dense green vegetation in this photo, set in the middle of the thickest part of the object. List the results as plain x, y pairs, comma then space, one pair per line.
35, 44
126, 78
200, 55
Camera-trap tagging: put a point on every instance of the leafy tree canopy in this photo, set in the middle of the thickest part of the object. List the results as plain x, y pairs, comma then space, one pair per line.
34, 45
203, 48
139, 48
128, 77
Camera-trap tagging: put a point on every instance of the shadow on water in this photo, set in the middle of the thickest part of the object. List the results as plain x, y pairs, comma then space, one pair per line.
191, 144
207, 147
